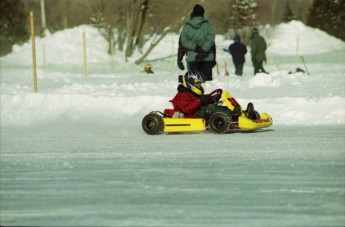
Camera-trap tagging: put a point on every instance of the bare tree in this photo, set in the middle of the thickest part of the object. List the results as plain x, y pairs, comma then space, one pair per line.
136, 19
274, 3
243, 18
132, 20
172, 26
64, 10
140, 34
158, 38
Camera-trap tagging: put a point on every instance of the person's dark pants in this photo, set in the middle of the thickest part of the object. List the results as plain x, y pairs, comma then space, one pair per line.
238, 69
258, 66
205, 67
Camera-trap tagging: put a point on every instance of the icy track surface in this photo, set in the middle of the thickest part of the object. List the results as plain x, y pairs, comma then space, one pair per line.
74, 154
286, 176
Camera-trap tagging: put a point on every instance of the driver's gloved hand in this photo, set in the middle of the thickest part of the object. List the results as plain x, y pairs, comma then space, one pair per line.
206, 99
217, 97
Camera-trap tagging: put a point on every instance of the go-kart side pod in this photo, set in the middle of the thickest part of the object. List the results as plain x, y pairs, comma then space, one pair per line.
184, 124
154, 124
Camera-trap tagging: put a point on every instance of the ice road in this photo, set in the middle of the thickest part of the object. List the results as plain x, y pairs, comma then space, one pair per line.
283, 176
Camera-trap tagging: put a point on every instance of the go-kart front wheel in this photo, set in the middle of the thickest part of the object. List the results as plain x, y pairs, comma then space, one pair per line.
219, 122
153, 124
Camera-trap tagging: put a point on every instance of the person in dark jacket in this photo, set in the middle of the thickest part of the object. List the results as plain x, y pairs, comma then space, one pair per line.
198, 38
258, 48
237, 51
182, 51
191, 100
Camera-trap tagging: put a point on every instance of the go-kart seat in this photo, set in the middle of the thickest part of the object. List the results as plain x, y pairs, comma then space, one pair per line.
176, 114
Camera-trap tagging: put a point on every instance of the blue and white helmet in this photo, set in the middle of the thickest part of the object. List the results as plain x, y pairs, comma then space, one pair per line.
193, 80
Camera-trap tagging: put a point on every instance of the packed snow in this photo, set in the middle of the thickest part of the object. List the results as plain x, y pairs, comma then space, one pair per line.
295, 98
296, 38
78, 141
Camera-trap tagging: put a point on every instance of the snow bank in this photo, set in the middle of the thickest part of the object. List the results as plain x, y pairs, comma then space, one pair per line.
66, 47
295, 37
122, 99
30, 109
63, 47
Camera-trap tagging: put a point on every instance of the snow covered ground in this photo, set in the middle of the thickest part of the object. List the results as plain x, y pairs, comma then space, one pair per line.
75, 154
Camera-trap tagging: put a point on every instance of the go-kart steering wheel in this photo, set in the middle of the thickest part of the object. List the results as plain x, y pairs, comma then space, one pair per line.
216, 94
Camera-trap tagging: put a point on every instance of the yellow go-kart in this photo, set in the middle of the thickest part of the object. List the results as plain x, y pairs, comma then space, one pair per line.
171, 121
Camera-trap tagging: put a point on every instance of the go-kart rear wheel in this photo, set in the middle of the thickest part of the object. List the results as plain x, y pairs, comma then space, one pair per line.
219, 122
153, 124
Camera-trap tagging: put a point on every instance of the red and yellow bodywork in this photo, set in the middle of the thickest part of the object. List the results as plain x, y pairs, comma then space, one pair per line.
245, 123
196, 124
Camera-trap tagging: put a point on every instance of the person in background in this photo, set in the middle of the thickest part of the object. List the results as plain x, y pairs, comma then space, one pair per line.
147, 69
182, 51
238, 50
258, 48
198, 38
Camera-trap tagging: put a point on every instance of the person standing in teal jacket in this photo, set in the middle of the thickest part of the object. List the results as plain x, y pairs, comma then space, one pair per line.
258, 47
198, 38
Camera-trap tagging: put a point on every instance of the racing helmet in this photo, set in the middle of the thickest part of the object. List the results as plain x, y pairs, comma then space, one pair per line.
192, 80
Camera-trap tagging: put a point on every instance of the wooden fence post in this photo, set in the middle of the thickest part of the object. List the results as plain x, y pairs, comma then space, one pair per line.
217, 68
297, 48
112, 49
85, 61
44, 54
226, 70
34, 67
172, 55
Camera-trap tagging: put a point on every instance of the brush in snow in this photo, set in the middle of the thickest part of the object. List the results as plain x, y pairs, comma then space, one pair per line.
305, 66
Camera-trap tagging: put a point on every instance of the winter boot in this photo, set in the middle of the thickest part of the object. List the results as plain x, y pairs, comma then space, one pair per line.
250, 112
237, 110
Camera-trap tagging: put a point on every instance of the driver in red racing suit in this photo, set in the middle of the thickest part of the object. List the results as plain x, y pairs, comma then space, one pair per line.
191, 100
